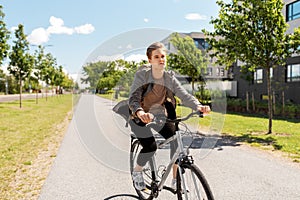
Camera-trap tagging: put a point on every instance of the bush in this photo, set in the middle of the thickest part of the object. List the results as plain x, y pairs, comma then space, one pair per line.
239, 105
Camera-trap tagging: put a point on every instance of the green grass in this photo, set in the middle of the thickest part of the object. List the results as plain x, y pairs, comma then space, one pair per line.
285, 133
253, 130
26, 131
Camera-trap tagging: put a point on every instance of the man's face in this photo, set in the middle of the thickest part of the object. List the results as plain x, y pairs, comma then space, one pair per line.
158, 59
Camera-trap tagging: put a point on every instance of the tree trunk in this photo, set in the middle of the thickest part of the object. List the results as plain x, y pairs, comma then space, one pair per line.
283, 112
247, 101
193, 86
36, 96
270, 110
274, 103
253, 102
20, 90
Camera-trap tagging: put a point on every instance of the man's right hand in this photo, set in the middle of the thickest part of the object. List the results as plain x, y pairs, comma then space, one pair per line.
145, 117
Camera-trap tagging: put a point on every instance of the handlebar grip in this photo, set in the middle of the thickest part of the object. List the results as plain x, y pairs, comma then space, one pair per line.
200, 114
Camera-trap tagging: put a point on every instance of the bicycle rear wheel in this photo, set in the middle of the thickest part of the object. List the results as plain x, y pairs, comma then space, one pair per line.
145, 194
196, 186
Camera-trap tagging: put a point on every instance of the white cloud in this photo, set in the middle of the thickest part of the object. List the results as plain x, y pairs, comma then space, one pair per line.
84, 29
60, 30
54, 21
12, 29
107, 58
146, 20
57, 27
38, 36
42, 35
136, 57
195, 16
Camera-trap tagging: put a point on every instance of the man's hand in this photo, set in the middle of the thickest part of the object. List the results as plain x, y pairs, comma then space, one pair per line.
203, 109
145, 117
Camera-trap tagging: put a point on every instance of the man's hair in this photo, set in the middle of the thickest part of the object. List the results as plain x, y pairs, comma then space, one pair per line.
154, 46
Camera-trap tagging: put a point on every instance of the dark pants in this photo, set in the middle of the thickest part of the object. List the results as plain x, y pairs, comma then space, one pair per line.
145, 136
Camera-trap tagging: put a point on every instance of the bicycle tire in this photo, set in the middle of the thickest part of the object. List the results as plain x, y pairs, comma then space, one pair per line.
197, 187
146, 194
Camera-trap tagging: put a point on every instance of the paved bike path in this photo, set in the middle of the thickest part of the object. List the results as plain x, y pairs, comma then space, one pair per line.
92, 163
93, 160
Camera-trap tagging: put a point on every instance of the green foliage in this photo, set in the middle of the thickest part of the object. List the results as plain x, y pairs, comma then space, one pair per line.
20, 60
4, 36
130, 68
49, 70
116, 74
253, 32
250, 31
46, 70
203, 95
188, 60
92, 73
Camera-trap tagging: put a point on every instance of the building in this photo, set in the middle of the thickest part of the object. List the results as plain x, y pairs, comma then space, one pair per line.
214, 72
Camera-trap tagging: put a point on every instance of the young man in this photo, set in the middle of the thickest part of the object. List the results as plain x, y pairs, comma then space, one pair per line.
152, 89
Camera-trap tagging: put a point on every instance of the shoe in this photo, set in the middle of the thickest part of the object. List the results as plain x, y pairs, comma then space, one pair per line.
173, 184
138, 180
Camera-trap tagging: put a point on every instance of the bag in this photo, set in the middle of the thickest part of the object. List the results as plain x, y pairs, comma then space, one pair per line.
122, 108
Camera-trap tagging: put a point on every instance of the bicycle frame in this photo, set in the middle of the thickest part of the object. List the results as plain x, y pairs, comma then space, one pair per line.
177, 155
188, 174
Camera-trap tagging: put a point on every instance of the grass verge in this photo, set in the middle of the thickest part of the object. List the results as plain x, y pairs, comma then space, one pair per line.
30, 137
252, 130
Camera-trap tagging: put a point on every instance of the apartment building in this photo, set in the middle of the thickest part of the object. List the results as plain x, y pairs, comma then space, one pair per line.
214, 72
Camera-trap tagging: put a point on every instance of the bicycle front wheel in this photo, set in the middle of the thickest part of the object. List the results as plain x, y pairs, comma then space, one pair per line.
191, 184
145, 194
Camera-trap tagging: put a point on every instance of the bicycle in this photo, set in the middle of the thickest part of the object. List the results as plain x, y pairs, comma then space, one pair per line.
191, 183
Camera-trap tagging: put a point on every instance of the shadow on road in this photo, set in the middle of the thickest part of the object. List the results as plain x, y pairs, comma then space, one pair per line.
234, 141
121, 196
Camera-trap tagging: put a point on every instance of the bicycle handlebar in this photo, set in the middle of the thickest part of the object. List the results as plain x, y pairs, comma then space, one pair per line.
160, 119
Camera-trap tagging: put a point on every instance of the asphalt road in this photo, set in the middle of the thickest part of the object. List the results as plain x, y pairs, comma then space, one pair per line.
92, 163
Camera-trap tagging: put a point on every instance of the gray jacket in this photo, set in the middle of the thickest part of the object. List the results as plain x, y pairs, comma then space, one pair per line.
143, 83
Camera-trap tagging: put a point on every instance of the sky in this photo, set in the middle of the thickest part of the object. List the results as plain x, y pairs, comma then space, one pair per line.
82, 31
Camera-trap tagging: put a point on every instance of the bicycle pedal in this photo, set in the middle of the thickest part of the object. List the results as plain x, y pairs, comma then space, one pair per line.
145, 190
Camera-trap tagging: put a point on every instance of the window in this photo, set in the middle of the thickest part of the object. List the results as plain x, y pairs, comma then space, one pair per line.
197, 44
293, 73
222, 72
201, 43
209, 71
293, 11
258, 76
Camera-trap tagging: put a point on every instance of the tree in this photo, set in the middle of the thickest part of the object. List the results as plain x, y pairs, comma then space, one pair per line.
4, 37
49, 71
189, 60
59, 77
110, 76
92, 72
253, 32
39, 67
129, 70
21, 61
